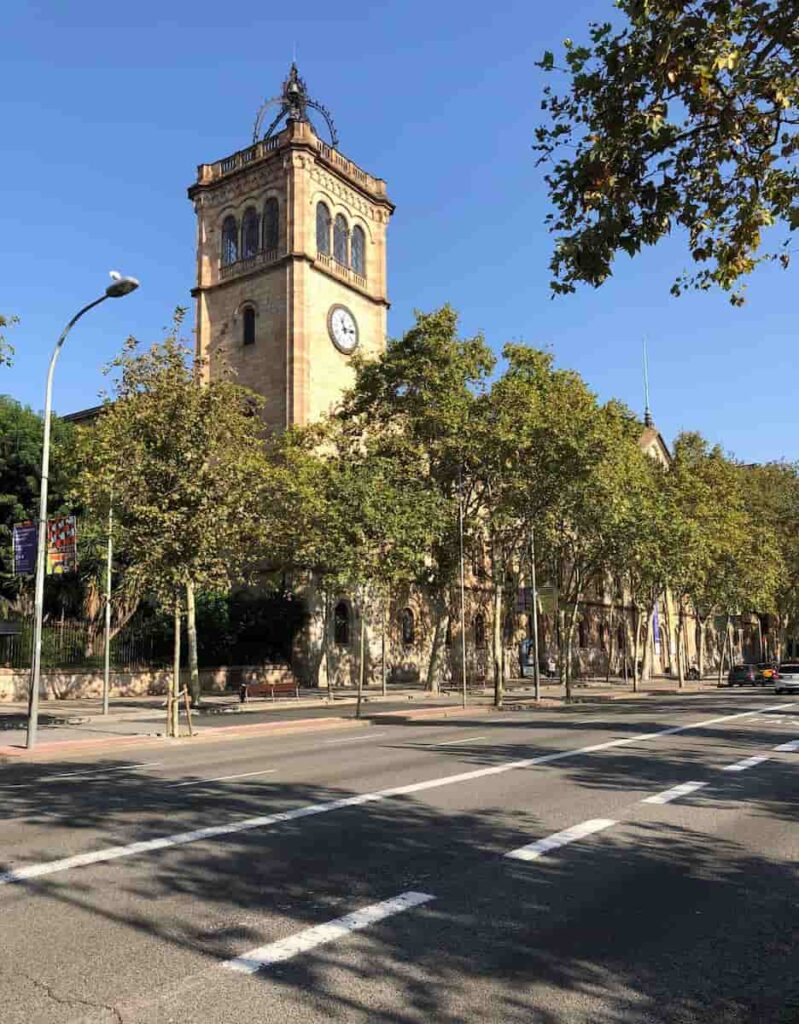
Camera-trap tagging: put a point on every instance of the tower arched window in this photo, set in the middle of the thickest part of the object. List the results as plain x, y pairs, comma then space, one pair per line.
341, 241
359, 251
248, 326
249, 233
322, 229
479, 631
408, 626
230, 240
271, 224
341, 624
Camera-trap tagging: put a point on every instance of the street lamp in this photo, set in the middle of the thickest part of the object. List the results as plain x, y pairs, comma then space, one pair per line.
119, 286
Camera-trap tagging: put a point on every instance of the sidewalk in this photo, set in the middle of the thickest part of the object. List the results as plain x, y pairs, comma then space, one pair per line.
72, 727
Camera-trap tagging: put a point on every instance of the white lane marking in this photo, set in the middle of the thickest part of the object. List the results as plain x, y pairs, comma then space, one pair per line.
672, 794
569, 835
285, 949
788, 747
748, 762
460, 739
309, 810
221, 778
93, 771
354, 739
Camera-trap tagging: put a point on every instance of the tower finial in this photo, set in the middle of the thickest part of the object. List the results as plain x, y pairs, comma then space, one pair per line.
294, 103
648, 421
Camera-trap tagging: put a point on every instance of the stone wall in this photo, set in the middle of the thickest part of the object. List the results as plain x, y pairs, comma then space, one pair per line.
64, 684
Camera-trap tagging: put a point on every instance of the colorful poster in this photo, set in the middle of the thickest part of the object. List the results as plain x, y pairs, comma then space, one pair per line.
62, 545
24, 545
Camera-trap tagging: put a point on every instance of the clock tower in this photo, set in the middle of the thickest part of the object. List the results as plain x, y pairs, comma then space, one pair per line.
291, 261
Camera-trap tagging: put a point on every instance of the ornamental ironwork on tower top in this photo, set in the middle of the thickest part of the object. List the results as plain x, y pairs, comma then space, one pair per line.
294, 103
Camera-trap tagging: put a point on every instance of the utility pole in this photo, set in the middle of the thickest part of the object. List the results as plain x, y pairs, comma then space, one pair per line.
463, 587
108, 570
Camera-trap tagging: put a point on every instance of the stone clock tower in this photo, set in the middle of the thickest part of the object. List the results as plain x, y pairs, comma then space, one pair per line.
291, 262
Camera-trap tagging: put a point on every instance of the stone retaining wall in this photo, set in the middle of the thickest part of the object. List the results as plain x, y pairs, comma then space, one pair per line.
61, 684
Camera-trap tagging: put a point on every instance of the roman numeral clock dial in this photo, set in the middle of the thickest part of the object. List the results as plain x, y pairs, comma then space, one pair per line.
343, 329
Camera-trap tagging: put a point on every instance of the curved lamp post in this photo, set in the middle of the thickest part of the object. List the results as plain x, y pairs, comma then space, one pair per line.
119, 286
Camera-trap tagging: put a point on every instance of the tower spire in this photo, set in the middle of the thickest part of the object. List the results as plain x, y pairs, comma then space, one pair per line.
648, 421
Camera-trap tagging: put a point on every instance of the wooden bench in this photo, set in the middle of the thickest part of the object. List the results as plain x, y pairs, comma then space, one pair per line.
285, 686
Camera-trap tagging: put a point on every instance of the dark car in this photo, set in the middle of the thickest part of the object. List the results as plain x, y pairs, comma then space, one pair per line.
742, 675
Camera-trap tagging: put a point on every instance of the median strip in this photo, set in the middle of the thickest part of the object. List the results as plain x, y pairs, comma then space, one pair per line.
321, 934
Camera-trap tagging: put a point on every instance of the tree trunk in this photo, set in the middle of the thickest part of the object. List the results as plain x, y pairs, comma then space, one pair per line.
361, 653
702, 634
646, 671
727, 638
636, 646
499, 682
326, 646
383, 638
439, 633
173, 705
681, 645
612, 637
191, 633
562, 673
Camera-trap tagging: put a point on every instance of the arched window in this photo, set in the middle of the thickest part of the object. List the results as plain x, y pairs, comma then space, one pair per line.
509, 628
408, 626
582, 633
621, 638
341, 624
341, 241
248, 326
271, 224
249, 233
230, 240
323, 229
359, 251
479, 631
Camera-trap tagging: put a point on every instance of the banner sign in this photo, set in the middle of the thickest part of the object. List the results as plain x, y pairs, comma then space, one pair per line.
23, 539
62, 545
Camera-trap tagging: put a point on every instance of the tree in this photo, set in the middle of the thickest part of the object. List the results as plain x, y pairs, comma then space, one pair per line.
6, 350
417, 404
182, 462
684, 117
21, 432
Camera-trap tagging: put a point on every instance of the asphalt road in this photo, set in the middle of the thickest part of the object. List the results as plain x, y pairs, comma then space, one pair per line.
363, 874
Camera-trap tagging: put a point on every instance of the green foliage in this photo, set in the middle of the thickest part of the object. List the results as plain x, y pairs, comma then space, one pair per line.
182, 462
6, 349
686, 117
21, 432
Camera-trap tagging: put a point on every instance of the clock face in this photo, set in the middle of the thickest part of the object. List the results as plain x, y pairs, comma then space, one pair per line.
343, 329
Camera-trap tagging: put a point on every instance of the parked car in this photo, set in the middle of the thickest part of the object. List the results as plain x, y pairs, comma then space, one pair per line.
767, 672
788, 679
742, 675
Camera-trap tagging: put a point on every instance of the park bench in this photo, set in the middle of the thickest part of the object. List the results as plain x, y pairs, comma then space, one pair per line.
287, 687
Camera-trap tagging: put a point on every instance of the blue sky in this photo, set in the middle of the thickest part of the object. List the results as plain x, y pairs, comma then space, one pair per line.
107, 109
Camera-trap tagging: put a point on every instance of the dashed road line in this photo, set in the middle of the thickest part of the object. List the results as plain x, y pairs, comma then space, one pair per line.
674, 793
460, 739
748, 762
29, 871
83, 774
221, 778
321, 934
788, 747
353, 739
569, 835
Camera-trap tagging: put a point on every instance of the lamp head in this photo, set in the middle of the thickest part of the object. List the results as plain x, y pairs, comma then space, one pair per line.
121, 285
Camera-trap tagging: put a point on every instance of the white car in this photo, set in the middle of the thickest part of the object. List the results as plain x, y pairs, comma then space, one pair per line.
788, 679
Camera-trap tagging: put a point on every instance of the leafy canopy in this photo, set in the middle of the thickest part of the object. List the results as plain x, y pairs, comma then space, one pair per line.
685, 117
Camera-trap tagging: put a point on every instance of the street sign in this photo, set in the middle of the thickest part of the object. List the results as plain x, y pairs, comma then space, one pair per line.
24, 548
62, 545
